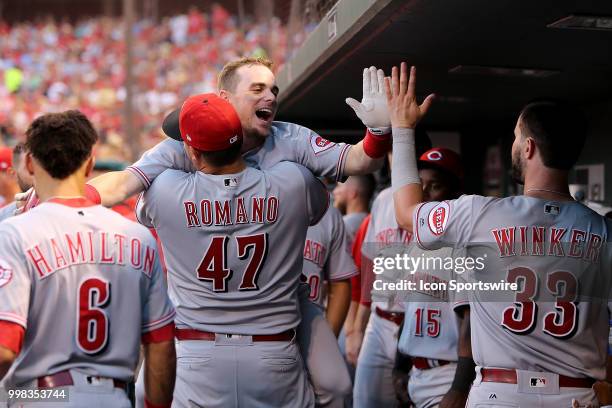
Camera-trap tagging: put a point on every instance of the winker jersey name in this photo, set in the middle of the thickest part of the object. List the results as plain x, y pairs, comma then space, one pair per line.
557, 320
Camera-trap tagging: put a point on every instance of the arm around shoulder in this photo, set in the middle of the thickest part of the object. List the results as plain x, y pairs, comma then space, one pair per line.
116, 186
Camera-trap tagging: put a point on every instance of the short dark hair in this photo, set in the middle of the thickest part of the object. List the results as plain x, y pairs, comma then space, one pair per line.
559, 130
222, 157
61, 142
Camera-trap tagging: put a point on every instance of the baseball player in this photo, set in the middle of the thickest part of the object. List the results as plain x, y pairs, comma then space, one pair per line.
234, 267
328, 267
374, 335
24, 180
373, 379
428, 341
541, 343
8, 184
80, 286
250, 86
327, 259
352, 198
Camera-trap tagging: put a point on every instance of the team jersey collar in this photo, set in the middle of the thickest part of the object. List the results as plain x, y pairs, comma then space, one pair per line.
75, 202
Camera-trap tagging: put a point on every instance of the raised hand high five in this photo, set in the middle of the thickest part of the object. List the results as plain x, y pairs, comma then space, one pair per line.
404, 110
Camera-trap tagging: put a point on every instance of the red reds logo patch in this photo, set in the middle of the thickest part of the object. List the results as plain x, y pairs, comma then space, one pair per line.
438, 217
434, 156
6, 273
320, 144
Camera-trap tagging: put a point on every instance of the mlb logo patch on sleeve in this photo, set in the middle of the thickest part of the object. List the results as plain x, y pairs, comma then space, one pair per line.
319, 144
6, 273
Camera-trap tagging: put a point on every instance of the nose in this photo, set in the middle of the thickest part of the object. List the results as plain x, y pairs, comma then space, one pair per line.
269, 95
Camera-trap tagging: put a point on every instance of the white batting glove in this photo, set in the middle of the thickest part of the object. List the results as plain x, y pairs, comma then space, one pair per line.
372, 110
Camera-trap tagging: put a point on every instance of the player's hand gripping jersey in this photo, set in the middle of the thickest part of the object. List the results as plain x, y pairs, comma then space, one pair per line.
81, 280
557, 320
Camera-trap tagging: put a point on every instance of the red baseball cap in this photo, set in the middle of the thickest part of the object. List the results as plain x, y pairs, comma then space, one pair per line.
444, 159
209, 123
6, 158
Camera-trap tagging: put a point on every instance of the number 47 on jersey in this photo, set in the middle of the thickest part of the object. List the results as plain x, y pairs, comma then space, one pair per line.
213, 267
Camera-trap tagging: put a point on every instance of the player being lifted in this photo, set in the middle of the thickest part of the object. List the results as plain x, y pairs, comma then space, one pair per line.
232, 242
543, 345
80, 286
250, 86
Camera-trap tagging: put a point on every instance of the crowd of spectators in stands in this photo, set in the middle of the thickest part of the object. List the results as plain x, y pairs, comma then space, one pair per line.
53, 66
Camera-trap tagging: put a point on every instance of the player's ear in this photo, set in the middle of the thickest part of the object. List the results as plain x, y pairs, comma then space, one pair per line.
529, 147
29, 163
193, 154
224, 94
91, 162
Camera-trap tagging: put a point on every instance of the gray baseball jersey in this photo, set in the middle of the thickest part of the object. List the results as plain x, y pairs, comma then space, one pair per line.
352, 222
7, 211
430, 327
286, 142
85, 283
383, 234
555, 251
326, 255
230, 244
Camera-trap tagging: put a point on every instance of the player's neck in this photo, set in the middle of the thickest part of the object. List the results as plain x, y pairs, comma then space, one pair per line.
232, 168
356, 207
547, 184
47, 187
251, 142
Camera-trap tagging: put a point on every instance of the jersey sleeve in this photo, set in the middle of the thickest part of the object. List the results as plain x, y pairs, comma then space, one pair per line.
444, 224
15, 280
157, 310
169, 154
144, 209
321, 156
317, 197
7, 211
340, 264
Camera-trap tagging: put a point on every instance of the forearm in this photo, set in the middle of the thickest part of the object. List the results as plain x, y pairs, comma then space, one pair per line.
359, 163
464, 344
160, 372
338, 304
116, 186
407, 190
362, 318
6, 360
349, 322
465, 373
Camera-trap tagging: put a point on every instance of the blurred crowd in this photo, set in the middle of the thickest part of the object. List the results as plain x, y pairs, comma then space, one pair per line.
52, 66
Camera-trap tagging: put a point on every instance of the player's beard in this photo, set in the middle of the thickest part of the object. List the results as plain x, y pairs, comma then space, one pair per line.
517, 169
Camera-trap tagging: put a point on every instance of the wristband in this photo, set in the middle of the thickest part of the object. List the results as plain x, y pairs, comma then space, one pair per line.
149, 404
382, 131
403, 166
376, 146
464, 374
92, 194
